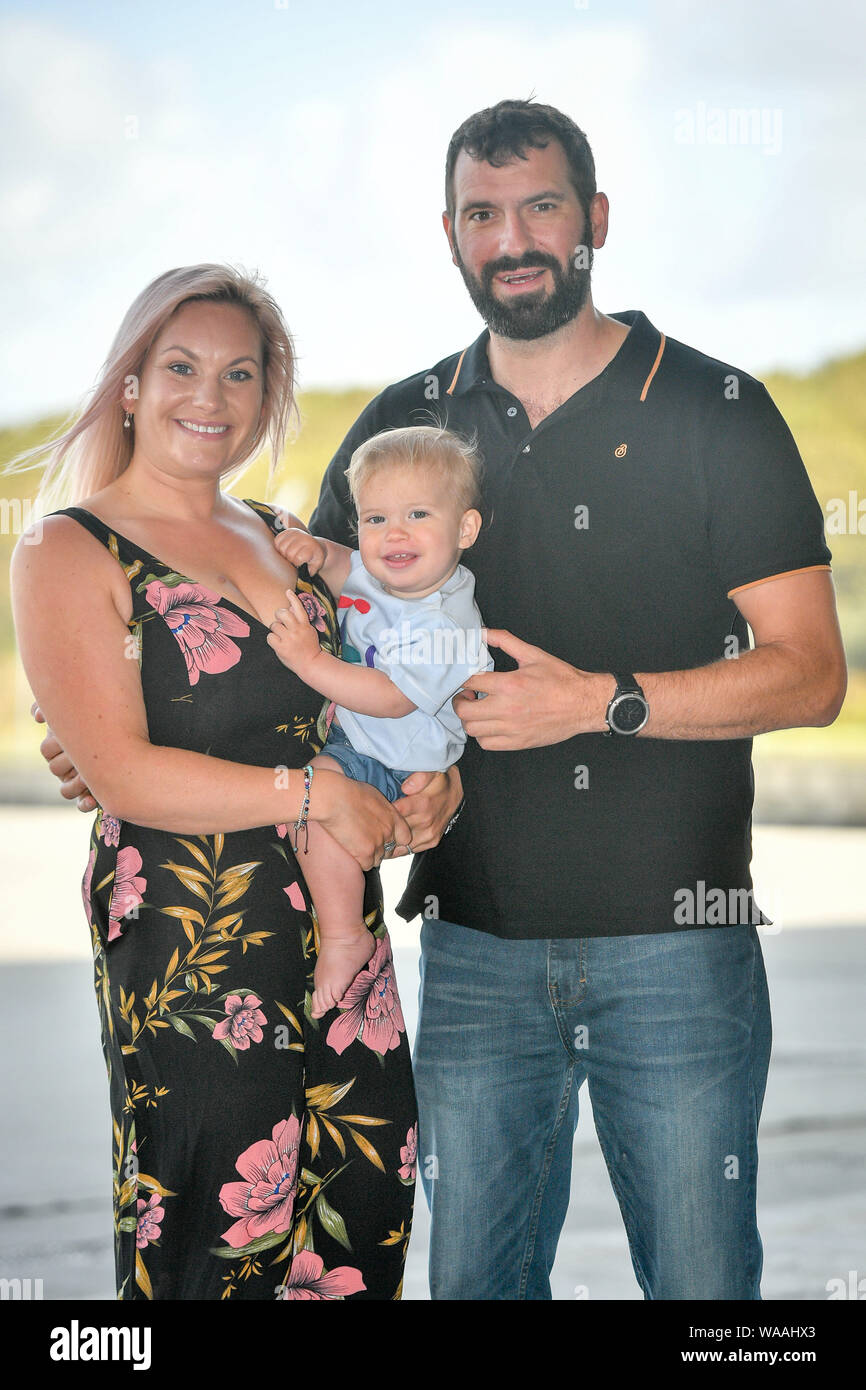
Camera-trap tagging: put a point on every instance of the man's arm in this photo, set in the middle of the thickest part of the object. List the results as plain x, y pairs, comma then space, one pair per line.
795, 676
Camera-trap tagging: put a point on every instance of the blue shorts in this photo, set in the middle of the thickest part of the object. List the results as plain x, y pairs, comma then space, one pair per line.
362, 768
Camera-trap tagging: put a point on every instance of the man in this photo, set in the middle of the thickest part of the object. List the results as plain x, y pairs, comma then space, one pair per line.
588, 916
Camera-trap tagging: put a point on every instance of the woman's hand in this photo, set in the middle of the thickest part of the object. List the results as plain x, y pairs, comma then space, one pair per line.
358, 816
300, 548
428, 803
72, 785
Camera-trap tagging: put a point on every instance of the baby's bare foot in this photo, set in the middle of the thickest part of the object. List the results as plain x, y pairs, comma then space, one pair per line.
340, 959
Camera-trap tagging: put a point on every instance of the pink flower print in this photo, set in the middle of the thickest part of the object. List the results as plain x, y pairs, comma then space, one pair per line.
315, 612
409, 1155
150, 1214
372, 1007
282, 831
85, 884
265, 1200
243, 1022
109, 830
128, 890
307, 1279
202, 627
296, 896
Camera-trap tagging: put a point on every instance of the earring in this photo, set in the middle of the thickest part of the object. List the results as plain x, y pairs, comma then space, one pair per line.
127, 419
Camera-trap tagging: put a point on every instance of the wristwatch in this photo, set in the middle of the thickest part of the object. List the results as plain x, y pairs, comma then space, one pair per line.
628, 711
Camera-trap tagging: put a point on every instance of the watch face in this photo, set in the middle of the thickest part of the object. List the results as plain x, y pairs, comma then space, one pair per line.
629, 714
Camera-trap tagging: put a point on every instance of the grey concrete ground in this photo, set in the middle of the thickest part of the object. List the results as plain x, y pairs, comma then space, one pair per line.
54, 1152
55, 1181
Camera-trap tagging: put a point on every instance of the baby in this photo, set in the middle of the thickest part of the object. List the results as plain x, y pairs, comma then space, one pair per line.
411, 635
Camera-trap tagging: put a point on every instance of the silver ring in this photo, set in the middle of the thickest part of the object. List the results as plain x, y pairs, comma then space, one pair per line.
391, 845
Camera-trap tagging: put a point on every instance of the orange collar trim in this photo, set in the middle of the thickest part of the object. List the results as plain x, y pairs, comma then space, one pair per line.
450, 390
654, 368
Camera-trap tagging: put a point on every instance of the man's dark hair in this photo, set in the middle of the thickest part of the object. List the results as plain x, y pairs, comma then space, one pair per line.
505, 131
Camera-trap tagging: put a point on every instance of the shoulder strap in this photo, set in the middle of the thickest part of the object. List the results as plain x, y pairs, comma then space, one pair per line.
269, 515
128, 555
91, 523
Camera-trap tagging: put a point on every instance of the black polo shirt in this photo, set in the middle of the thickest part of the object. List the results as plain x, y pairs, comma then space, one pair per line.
614, 535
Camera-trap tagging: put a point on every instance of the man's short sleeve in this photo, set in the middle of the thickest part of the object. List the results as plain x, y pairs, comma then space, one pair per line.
430, 662
763, 517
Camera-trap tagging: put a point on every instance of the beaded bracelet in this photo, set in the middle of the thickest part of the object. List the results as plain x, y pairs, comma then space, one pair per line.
301, 822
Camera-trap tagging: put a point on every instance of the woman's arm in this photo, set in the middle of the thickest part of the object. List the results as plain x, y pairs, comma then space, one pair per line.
75, 645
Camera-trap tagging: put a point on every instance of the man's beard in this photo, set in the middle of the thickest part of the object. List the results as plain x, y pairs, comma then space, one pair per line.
534, 313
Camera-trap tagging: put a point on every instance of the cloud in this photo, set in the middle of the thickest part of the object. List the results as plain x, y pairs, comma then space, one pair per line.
119, 164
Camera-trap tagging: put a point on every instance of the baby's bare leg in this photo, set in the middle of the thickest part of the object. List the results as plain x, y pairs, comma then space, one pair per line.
336, 884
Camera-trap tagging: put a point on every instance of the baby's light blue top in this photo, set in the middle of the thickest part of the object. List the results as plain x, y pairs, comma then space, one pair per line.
428, 647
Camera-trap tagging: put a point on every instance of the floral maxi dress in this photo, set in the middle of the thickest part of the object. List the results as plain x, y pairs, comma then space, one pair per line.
258, 1153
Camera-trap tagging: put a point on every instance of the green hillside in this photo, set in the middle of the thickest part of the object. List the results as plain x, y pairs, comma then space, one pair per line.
826, 411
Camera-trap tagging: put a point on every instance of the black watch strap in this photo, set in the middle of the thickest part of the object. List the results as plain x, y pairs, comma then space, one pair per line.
626, 685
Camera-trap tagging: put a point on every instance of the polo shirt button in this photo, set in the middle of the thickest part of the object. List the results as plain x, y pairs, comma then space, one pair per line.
526, 448
512, 411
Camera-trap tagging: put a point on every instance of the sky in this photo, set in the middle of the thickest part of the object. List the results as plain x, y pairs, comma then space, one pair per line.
307, 140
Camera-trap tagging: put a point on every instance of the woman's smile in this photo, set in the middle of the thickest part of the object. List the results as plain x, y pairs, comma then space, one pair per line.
214, 431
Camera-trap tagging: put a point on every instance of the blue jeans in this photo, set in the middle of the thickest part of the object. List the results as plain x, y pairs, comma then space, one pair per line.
361, 767
671, 1033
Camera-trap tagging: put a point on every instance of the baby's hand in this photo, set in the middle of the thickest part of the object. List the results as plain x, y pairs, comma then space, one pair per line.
300, 548
292, 637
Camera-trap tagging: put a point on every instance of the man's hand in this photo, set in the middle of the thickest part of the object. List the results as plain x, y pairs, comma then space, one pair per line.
72, 787
544, 701
428, 802
293, 637
300, 548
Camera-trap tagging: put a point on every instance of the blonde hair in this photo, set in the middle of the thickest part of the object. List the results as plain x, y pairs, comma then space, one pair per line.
94, 449
431, 447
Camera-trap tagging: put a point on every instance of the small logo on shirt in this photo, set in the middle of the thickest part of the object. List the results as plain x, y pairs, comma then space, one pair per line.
347, 651
360, 603
620, 451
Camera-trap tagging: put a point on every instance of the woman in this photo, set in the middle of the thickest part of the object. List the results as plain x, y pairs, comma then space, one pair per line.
257, 1153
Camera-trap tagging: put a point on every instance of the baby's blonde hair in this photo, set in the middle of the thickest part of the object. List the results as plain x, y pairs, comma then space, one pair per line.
430, 447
